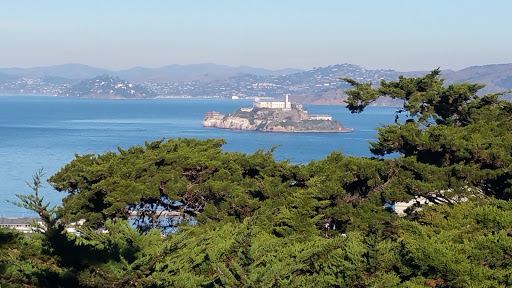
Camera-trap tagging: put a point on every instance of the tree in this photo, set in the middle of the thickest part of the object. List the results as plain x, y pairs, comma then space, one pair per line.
188, 177
33, 260
34, 202
450, 131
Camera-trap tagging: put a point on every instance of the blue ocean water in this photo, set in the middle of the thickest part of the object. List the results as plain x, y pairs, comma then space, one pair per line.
45, 132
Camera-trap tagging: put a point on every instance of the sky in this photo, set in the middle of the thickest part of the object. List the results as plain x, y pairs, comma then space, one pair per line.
274, 34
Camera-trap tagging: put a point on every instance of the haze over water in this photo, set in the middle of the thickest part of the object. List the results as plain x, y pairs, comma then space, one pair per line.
45, 132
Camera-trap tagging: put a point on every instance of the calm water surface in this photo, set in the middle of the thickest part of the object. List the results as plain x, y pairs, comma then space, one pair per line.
45, 132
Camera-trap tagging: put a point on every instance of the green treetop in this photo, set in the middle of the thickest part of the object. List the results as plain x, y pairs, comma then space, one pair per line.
449, 127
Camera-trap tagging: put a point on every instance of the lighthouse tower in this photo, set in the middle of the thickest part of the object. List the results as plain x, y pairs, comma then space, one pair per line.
287, 104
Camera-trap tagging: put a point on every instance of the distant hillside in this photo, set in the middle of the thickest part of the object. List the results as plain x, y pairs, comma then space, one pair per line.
195, 72
206, 71
496, 77
321, 85
70, 71
108, 87
6, 77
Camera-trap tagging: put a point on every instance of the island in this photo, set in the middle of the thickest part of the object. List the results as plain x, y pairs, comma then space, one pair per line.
274, 116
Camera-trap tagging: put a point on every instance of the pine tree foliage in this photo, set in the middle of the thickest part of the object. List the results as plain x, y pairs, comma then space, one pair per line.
185, 176
449, 128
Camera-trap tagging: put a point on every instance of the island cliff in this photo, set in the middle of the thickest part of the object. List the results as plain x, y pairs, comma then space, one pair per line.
273, 116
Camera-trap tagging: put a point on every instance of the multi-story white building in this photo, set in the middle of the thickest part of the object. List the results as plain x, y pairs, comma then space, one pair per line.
273, 104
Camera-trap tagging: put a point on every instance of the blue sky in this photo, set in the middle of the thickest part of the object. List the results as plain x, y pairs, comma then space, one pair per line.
114, 34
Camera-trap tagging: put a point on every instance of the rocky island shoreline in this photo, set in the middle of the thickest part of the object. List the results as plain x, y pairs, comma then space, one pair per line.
274, 116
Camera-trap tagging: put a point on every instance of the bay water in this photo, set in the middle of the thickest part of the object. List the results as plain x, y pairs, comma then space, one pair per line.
44, 132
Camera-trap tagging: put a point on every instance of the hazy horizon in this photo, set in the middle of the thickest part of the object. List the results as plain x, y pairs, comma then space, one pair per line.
240, 66
118, 35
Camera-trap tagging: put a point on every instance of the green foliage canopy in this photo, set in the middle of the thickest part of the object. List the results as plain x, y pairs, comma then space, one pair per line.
448, 127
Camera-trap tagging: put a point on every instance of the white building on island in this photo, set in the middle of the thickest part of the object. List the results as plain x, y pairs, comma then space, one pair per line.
273, 104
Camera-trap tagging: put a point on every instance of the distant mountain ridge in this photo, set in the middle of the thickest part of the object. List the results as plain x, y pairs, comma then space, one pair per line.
496, 77
173, 72
70, 71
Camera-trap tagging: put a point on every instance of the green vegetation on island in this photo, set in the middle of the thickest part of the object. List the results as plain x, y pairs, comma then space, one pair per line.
246, 220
